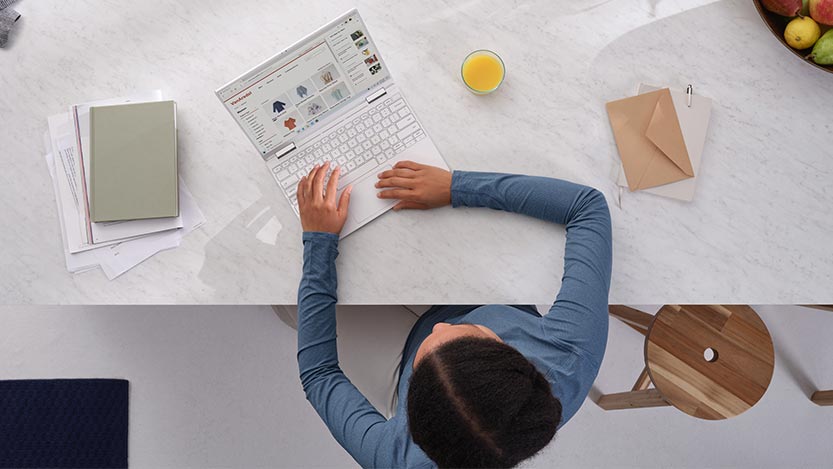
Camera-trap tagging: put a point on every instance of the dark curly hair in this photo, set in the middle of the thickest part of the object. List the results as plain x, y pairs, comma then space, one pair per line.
476, 402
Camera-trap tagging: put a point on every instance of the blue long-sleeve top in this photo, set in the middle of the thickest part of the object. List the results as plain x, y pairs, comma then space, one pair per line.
566, 344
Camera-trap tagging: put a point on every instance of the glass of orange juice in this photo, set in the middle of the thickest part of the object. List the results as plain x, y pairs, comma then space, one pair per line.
482, 71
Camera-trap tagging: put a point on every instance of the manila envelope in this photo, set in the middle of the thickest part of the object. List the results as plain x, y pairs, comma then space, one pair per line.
650, 140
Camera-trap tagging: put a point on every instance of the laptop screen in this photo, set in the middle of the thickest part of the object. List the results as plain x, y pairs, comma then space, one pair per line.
294, 92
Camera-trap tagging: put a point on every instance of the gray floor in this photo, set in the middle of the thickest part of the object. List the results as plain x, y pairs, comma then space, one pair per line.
218, 387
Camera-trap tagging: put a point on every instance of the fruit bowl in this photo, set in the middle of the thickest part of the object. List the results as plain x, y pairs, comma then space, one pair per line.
777, 24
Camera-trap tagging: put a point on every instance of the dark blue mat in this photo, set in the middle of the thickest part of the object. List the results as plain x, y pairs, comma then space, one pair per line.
66, 423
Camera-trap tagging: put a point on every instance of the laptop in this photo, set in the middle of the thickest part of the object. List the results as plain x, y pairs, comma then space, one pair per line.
330, 97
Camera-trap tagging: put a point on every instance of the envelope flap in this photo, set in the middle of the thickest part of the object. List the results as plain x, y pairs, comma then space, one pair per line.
664, 132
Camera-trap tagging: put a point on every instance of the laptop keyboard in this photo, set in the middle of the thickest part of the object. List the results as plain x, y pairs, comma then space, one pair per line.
358, 146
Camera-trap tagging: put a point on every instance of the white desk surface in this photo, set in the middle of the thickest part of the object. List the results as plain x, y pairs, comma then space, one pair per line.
759, 231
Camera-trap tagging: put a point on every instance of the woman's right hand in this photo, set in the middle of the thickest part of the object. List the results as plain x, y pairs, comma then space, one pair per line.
416, 186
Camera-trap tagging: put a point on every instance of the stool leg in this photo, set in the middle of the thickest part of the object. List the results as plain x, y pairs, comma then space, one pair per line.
636, 319
822, 397
642, 382
632, 400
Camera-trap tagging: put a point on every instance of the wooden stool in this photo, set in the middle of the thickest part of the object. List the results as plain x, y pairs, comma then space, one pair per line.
711, 362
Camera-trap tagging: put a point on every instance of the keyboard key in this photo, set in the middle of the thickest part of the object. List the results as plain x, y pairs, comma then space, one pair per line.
384, 134
351, 166
385, 112
377, 128
375, 150
405, 122
292, 179
360, 128
360, 138
343, 137
386, 122
282, 174
384, 144
404, 112
350, 155
377, 118
327, 148
399, 104
408, 130
375, 139
366, 145
368, 133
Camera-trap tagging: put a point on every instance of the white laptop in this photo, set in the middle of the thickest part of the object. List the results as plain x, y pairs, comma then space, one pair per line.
330, 97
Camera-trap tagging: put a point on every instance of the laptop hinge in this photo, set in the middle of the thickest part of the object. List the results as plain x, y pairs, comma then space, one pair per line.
285, 150
376, 95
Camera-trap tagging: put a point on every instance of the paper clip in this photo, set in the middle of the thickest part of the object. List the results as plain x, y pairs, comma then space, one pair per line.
688, 92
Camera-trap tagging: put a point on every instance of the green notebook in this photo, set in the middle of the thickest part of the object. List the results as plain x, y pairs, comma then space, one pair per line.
133, 167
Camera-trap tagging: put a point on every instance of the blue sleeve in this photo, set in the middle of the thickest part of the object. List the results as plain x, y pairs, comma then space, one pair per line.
579, 316
352, 420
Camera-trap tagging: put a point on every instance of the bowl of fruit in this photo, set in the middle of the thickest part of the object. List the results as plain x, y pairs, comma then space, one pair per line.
803, 26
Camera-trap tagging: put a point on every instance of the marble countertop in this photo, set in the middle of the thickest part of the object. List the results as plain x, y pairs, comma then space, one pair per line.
760, 229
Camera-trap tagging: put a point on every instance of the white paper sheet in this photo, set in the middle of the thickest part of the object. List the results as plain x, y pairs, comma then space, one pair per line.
78, 262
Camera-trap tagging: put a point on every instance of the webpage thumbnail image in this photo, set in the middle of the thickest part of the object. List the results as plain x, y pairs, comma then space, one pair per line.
284, 114
326, 77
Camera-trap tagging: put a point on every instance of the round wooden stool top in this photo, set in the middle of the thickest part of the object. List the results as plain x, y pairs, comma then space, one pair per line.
712, 362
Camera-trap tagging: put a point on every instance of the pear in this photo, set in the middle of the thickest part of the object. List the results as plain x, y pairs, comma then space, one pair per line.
823, 50
788, 8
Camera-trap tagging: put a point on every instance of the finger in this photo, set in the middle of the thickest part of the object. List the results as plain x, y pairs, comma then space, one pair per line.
332, 186
407, 164
308, 182
407, 183
344, 201
394, 194
300, 190
403, 173
318, 181
406, 204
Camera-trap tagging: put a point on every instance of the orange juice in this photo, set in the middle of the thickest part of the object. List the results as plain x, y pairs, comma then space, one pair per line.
482, 71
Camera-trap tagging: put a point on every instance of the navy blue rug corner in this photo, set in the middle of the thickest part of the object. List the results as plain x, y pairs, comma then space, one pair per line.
63, 423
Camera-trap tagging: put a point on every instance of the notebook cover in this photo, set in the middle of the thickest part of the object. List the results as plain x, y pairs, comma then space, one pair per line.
133, 161
66, 423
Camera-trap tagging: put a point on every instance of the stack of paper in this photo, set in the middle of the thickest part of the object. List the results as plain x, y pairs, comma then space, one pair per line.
660, 134
114, 246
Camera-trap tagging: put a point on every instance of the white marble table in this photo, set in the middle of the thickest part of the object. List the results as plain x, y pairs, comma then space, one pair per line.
759, 231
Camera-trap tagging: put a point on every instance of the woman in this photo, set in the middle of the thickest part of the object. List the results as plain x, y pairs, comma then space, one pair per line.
480, 386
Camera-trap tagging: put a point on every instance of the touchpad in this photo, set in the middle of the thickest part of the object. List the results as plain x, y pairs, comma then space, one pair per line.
363, 201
